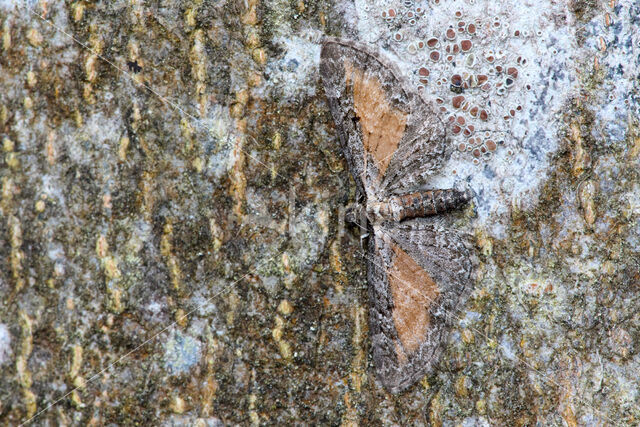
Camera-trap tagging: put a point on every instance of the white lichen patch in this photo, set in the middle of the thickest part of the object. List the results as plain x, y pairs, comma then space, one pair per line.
292, 74
181, 353
500, 73
99, 135
175, 420
32, 9
309, 225
5, 344
303, 235
216, 134
11, 4
475, 422
613, 40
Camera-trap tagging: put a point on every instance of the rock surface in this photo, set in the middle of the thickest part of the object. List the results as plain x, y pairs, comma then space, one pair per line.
172, 195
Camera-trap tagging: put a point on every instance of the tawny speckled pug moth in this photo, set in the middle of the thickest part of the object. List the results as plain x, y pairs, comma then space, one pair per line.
419, 269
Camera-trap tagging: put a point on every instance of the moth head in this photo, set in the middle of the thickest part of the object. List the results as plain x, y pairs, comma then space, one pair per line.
356, 214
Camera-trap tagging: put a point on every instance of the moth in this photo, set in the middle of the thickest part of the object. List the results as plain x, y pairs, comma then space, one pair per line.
419, 269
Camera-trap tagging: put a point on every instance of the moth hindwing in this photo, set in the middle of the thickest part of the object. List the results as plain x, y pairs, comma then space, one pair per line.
419, 269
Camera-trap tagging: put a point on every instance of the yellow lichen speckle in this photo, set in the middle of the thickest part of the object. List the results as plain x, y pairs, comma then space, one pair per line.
115, 301
260, 56
286, 263
166, 249
236, 111
16, 256
253, 414
87, 93
481, 406
250, 17
276, 141
181, 317
252, 39
335, 261
50, 148
123, 147
238, 179
197, 164
276, 333
190, 17
199, 61
217, 234
233, 302
6, 36
136, 116
635, 148
77, 118
102, 247
34, 37
285, 307
210, 385
580, 155
31, 79
96, 42
484, 242
76, 361
357, 374
462, 387
254, 79
467, 336
78, 11
8, 145
90, 67
198, 57
12, 160
24, 376
75, 399
111, 269
285, 349
178, 405
283, 346
435, 409
586, 193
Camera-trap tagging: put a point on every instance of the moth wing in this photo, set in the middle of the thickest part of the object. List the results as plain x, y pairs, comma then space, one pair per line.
390, 136
419, 274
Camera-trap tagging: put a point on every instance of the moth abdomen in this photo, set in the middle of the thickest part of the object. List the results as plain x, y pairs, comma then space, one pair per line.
421, 204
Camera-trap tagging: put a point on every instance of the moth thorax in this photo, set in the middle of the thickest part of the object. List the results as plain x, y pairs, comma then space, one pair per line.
386, 210
418, 204
356, 214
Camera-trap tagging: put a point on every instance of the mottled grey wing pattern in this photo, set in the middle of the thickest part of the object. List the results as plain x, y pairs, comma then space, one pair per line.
417, 159
419, 272
391, 137
438, 248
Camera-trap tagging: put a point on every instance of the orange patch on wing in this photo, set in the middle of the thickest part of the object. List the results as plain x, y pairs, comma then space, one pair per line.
413, 292
382, 125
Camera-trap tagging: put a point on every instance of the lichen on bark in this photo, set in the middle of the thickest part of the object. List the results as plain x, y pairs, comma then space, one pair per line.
171, 201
